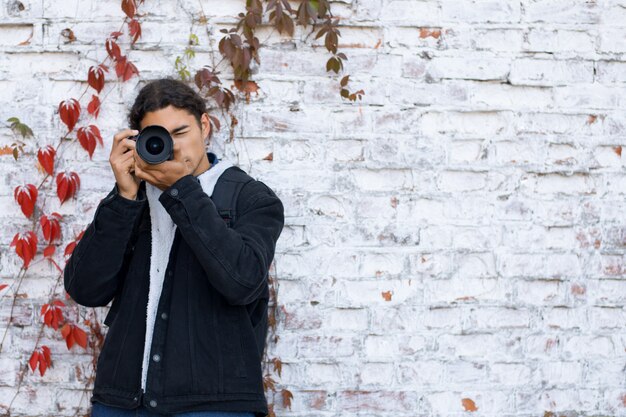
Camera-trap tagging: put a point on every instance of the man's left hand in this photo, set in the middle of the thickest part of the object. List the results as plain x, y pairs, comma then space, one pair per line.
166, 173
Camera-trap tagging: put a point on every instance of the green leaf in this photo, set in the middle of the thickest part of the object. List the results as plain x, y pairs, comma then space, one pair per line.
20, 127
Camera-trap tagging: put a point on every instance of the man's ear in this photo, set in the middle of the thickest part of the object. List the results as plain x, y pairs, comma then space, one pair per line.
206, 126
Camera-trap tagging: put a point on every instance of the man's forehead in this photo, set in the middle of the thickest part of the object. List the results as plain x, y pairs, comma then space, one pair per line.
169, 117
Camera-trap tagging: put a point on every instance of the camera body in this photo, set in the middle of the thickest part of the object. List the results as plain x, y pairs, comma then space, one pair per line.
154, 144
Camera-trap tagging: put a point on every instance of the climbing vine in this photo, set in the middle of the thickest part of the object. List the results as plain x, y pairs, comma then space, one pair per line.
238, 48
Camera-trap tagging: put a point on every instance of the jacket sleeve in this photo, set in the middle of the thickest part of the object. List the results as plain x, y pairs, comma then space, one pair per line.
236, 260
96, 268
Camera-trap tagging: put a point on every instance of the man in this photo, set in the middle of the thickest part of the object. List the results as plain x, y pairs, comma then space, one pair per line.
189, 286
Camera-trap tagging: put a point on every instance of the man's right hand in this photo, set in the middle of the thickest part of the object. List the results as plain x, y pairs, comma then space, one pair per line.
123, 163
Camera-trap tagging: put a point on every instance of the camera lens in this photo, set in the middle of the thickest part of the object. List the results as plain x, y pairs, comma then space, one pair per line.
154, 145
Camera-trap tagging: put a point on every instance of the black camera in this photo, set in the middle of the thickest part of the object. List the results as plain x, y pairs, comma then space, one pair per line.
154, 144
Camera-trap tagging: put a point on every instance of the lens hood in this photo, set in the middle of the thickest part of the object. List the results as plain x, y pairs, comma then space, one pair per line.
154, 144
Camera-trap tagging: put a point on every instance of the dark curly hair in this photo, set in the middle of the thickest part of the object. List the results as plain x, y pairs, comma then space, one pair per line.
163, 92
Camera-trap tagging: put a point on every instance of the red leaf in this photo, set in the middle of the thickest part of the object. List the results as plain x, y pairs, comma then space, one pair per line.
69, 110
50, 226
45, 156
40, 356
25, 246
34, 360
95, 78
129, 7
72, 245
80, 336
46, 353
74, 334
69, 248
112, 48
53, 314
67, 185
42, 366
3, 286
87, 137
26, 196
48, 252
469, 404
130, 70
120, 65
94, 106
125, 69
66, 332
287, 397
134, 28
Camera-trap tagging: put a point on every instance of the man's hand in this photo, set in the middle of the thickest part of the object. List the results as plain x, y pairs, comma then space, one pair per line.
166, 173
121, 160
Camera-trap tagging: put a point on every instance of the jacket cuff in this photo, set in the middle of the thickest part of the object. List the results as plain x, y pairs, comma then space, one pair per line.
117, 202
180, 189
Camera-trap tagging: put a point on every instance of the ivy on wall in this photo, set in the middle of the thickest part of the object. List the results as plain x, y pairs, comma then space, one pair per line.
238, 47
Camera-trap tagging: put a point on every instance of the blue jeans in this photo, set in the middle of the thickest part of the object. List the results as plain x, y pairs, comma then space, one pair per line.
102, 410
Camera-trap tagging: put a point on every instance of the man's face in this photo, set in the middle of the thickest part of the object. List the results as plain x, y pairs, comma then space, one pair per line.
184, 129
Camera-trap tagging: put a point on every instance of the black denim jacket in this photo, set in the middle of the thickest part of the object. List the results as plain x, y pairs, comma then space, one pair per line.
211, 323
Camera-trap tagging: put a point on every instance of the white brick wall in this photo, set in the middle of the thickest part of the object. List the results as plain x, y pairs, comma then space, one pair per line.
454, 241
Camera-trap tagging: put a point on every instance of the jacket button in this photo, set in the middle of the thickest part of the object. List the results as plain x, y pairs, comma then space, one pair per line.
156, 357
174, 192
164, 315
153, 403
135, 398
170, 272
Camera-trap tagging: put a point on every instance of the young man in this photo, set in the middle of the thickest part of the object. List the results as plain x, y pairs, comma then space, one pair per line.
189, 286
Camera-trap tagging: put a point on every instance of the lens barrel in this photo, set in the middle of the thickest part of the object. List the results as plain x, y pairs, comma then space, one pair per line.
154, 144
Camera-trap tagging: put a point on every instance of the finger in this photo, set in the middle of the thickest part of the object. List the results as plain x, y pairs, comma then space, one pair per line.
138, 172
142, 174
138, 161
143, 165
119, 139
125, 163
127, 158
120, 165
127, 145
124, 134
